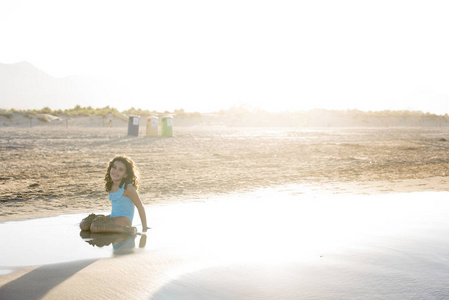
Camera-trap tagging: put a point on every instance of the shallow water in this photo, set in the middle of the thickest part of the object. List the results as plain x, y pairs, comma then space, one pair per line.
284, 243
50, 240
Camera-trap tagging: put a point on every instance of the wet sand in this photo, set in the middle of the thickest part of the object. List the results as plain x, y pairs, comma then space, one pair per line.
55, 170
346, 212
268, 244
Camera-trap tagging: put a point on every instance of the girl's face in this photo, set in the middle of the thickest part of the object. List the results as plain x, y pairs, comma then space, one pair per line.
118, 171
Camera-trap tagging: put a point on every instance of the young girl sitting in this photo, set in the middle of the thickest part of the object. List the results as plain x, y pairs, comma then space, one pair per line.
121, 183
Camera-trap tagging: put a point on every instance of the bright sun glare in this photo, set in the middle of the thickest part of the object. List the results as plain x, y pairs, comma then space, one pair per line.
204, 56
274, 227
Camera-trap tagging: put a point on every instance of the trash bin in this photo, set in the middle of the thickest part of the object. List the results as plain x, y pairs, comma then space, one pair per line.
167, 126
133, 125
152, 126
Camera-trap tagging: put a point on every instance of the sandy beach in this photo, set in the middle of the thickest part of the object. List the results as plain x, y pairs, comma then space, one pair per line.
346, 212
309, 158
51, 170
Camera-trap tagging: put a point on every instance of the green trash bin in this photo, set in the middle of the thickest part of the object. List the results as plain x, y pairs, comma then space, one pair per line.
167, 126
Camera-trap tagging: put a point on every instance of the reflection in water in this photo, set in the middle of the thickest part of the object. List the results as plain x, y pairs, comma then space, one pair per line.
121, 243
268, 244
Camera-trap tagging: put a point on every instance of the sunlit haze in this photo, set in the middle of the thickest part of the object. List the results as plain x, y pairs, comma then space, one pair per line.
273, 55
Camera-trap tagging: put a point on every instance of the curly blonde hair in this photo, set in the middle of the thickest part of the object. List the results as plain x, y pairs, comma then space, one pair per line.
131, 171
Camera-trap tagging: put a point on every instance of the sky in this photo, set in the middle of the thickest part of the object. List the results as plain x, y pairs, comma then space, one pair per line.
272, 55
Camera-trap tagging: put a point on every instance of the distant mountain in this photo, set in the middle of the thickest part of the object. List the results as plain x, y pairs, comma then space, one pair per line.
23, 86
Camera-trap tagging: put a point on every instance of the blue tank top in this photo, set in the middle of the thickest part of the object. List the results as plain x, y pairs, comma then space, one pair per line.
121, 206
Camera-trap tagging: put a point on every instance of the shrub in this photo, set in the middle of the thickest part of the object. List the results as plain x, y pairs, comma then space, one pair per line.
43, 118
6, 114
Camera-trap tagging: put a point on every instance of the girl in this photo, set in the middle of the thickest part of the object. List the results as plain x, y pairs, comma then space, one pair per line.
121, 184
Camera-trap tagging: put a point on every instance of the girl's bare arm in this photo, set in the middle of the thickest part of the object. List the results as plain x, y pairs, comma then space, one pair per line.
134, 196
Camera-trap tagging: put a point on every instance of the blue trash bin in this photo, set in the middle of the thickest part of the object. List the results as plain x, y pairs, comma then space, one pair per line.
133, 125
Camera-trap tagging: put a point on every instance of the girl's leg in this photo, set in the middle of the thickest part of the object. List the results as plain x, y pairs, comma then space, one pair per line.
87, 221
111, 225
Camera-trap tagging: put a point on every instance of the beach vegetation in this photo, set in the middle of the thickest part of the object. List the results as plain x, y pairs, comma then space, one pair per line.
180, 113
239, 115
139, 112
8, 115
43, 118
79, 110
